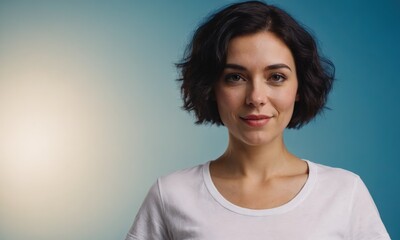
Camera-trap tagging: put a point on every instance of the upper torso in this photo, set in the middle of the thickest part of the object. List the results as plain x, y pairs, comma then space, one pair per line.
333, 204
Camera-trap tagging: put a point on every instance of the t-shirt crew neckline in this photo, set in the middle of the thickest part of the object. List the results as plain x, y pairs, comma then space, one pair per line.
298, 199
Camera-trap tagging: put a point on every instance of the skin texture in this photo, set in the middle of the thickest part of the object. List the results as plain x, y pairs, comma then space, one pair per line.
256, 171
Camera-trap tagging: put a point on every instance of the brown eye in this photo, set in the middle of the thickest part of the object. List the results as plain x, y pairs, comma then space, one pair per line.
233, 78
277, 78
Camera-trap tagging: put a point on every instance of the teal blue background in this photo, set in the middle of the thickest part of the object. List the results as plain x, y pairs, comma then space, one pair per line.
131, 48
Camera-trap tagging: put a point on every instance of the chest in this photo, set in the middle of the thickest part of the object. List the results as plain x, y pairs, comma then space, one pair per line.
261, 195
210, 220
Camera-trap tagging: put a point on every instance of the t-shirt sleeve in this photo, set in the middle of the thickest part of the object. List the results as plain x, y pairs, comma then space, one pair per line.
149, 223
365, 222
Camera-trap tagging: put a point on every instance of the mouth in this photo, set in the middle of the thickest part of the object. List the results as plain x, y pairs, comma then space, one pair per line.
256, 120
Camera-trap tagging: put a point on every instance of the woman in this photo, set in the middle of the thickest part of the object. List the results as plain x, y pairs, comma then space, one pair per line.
252, 68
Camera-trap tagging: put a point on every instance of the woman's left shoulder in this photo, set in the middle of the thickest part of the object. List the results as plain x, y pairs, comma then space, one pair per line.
330, 173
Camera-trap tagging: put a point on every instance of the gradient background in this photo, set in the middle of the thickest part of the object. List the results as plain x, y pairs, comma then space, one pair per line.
90, 112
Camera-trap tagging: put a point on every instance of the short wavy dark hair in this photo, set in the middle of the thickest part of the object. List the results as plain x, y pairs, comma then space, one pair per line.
205, 57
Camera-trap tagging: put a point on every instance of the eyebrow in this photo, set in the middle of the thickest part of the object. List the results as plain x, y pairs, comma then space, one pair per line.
269, 67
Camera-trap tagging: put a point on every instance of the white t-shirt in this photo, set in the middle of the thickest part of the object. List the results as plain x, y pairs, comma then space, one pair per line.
333, 204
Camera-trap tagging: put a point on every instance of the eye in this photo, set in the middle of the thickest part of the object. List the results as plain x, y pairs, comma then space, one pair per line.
277, 78
233, 78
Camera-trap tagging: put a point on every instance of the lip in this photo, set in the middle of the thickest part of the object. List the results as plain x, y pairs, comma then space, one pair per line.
256, 120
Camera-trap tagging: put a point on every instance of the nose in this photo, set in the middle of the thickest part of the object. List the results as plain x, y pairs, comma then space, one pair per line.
257, 94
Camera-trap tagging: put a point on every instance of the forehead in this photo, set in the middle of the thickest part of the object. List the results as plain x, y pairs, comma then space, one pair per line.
262, 48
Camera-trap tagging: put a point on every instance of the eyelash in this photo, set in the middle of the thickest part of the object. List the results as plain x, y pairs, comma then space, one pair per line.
234, 78
230, 78
282, 78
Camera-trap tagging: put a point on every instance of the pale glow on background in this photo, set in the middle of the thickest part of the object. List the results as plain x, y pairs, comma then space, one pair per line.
90, 110
57, 136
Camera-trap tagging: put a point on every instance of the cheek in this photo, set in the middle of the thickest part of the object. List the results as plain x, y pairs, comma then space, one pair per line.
228, 103
228, 99
285, 100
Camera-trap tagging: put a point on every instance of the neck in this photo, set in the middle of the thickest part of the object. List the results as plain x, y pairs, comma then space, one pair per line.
261, 161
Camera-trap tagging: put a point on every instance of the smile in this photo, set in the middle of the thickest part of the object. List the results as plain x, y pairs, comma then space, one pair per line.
256, 120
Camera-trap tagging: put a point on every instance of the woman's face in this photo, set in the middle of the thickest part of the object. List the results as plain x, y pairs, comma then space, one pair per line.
257, 90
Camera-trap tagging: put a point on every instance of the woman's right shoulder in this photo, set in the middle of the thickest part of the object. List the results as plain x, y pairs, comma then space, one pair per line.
183, 179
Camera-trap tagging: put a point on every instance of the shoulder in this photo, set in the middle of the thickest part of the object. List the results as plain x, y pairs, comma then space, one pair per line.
187, 175
182, 180
328, 172
345, 194
181, 190
333, 177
